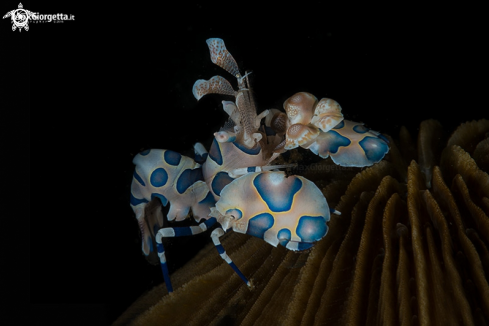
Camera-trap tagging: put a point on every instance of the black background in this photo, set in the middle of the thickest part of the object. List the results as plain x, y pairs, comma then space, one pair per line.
118, 80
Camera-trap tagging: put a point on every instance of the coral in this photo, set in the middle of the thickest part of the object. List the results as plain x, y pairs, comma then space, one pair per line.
411, 247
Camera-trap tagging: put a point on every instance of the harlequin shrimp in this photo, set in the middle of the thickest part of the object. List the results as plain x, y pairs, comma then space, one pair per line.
236, 185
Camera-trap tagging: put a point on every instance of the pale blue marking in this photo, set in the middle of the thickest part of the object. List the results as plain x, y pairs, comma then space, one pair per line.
311, 228
221, 180
284, 237
138, 178
172, 158
250, 151
215, 152
281, 198
237, 213
159, 177
375, 148
259, 224
337, 141
188, 178
136, 201
361, 129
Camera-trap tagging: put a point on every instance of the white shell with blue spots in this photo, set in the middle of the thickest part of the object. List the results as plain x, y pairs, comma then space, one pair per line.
290, 211
351, 144
173, 178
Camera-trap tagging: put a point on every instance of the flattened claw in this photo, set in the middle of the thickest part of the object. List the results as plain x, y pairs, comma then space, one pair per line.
350, 144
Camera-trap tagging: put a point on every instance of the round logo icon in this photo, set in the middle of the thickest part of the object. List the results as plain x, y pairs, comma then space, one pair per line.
20, 18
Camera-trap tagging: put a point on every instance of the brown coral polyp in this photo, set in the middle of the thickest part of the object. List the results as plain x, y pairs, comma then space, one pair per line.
411, 247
